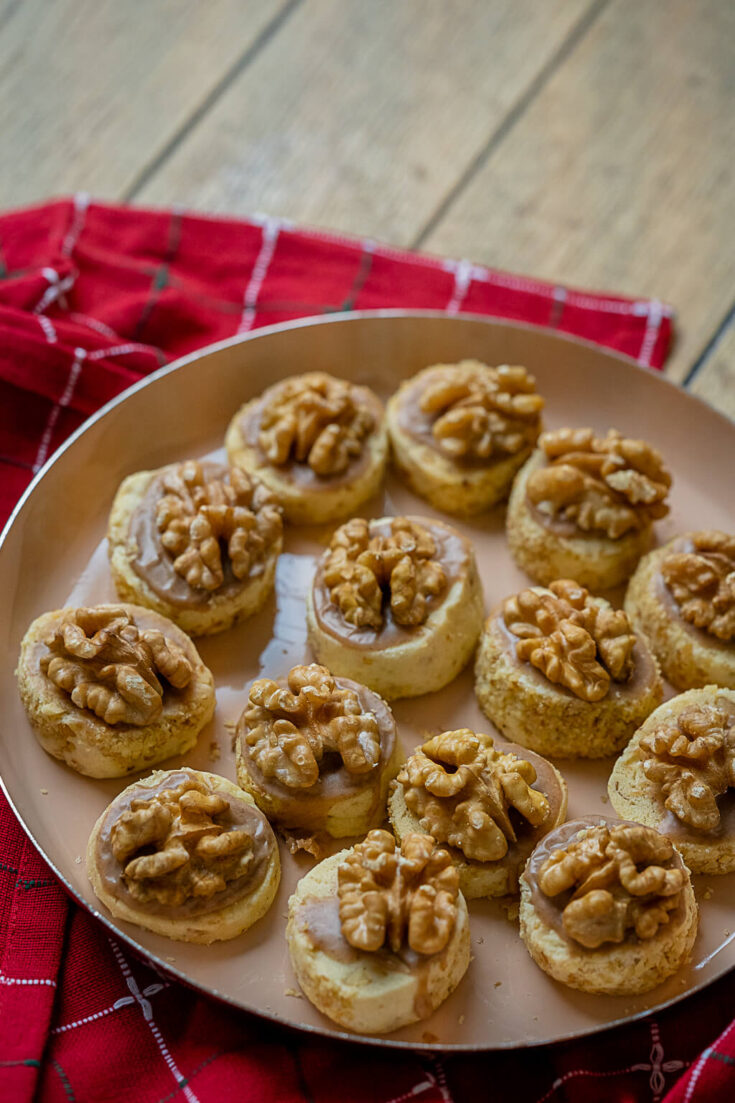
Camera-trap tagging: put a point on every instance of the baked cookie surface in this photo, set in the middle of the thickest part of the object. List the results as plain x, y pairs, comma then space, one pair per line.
396, 604
196, 541
682, 598
317, 752
488, 803
561, 672
677, 775
319, 444
607, 907
583, 507
110, 689
379, 935
185, 854
460, 432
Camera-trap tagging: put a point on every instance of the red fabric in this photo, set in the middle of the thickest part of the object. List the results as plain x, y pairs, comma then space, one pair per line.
92, 298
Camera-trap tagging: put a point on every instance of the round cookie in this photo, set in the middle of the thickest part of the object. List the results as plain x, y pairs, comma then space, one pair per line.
317, 753
196, 541
419, 949
396, 604
460, 432
682, 598
488, 804
185, 854
583, 507
319, 443
677, 775
112, 689
561, 672
616, 916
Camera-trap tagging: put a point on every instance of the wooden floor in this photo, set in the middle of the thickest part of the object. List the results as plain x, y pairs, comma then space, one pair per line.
591, 142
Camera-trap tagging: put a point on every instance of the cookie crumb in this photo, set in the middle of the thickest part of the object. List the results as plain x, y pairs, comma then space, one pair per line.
708, 894
295, 993
429, 1038
44, 792
170, 959
460, 1020
497, 984
604, 798
214, 751
78, 859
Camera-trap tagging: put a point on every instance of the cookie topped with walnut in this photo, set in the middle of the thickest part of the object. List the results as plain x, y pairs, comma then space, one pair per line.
196, 541
460, 432
607, 907
682, 597
396, 604
318, 442
563, 673
110, 689
583, 507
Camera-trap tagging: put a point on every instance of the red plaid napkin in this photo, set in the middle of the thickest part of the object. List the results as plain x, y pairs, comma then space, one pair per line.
92, 298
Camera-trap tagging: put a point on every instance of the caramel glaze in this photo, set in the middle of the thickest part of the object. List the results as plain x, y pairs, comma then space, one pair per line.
155, 565
661, 593
318, 918
454, 553
300, 473
240, 815
644, 667
308, 808
550, 908
670, 825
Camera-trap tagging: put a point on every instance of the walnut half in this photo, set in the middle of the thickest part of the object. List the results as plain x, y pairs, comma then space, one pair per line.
575, 640
691, 757
289, 729
173, 846
617, 877
703, 583
389, 895
203, 520
609, 484
462, 789
482, 412
361, 570
108, 665
317, 420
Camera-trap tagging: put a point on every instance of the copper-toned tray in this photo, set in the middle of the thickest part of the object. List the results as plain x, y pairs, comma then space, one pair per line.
54, 553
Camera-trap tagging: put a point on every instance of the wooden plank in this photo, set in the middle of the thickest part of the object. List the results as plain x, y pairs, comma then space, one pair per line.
621, 174
362, 116
91, 89
715, 380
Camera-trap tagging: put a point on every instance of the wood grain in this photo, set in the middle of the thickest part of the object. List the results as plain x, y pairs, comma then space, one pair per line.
715, 380
362, 116
91, 89
620, 175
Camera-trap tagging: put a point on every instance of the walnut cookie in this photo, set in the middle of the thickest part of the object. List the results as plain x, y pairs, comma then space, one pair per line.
113, 688
317, 753
583, 507
607, 907
185, 854
319, 444
562, 672
677, 774
379, 934
396, 604
460, 432
682, 598
488, 803
196, 541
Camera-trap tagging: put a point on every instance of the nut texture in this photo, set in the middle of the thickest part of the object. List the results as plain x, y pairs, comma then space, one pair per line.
359, 568
617, 879
608, 484
481, 411
290, 729
575, 640
691, 757
461, 789
314, 419
172, 847
703, 583
106, 664
203, 520
389, 894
